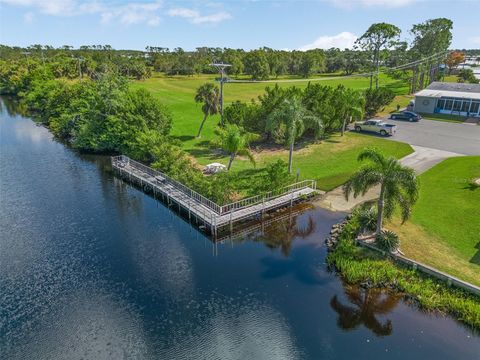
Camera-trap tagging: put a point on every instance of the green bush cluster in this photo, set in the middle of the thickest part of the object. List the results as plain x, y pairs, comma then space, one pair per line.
387, 240
359, 265
333, 105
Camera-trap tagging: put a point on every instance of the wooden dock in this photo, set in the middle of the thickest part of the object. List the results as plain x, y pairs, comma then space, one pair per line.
204, 210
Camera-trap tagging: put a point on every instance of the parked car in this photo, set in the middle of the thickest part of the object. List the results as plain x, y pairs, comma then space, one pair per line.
405, 115
377, 126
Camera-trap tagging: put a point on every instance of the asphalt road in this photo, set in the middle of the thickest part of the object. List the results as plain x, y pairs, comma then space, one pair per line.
458, 138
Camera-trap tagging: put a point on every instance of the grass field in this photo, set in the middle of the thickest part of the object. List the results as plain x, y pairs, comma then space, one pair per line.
444, 230
178, 92
330, 162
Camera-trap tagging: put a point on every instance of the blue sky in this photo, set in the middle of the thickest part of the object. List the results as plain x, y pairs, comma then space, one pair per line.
287, 24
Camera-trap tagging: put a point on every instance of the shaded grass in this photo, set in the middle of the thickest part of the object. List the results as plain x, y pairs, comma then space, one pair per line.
444, 117
444, 230
362, 266
401, 100
331, 162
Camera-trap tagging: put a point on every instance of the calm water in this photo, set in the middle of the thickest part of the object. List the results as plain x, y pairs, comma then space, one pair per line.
93, 269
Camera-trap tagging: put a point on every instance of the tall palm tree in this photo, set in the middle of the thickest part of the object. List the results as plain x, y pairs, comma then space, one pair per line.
398, 184
296, 118
208, 95
234, 140
354, 106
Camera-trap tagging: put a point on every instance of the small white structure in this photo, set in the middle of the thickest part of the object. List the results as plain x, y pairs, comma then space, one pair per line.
214, 168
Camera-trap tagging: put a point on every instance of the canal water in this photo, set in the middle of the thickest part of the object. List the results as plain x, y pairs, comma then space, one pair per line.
91, 268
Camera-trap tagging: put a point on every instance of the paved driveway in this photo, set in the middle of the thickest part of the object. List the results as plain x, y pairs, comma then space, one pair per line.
452, 137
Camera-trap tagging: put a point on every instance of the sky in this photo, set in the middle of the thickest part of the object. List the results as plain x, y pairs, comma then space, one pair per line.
247, 24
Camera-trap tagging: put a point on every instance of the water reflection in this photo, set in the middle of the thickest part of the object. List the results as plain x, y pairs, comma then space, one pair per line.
303, 265
12, 107
280, 234
365, 307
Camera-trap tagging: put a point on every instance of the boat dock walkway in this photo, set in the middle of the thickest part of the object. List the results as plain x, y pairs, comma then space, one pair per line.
206, 211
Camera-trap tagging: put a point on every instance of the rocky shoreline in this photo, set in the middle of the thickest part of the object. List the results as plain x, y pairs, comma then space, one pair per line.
332, 240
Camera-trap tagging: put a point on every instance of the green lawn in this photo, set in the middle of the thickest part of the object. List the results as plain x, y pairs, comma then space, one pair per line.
444, 117
330, 162
444, 230
178, 92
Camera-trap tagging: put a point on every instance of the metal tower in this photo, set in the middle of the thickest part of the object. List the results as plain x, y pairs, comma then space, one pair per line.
221, 69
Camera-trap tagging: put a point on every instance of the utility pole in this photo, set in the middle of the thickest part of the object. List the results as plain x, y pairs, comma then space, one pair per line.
221, 69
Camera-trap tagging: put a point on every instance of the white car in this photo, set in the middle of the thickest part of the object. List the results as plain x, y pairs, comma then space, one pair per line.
377, 126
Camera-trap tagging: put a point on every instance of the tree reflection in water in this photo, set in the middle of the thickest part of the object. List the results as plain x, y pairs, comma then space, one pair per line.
367, 305
280, 234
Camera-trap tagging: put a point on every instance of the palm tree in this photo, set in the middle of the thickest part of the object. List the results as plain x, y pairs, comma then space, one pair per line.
209, 95
398, 184
354, 106
234, 140
295, 117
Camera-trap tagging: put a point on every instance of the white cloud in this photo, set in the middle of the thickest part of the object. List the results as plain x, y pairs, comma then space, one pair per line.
349, 4
343, 40
28, 17
475, 39
128, 13
196, 18
133, 13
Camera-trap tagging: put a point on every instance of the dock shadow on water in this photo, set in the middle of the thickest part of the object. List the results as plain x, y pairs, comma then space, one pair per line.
92, 268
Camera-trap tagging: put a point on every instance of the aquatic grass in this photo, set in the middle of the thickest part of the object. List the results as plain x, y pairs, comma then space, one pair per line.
363, 266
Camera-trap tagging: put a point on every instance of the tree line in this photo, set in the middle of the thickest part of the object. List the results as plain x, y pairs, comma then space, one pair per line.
104, 115
381, 46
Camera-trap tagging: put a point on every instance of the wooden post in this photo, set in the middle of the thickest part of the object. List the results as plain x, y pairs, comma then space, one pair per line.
231, 222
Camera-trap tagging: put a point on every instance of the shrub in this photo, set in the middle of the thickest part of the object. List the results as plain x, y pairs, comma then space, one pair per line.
387, 241
367, 218
376, 100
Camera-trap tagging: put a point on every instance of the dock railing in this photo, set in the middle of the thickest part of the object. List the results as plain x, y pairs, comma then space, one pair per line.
123, 161
258, 199
167, 179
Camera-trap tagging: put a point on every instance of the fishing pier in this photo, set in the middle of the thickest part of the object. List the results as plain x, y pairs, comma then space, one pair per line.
207, 212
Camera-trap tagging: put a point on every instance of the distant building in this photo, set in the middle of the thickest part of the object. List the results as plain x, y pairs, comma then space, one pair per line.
449, 98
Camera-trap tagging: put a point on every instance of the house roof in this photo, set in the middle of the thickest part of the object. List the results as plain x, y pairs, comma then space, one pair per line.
457, 90
450, 86
443, 93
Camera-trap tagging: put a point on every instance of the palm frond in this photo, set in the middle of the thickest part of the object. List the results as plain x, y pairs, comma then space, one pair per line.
364, 179
373, 155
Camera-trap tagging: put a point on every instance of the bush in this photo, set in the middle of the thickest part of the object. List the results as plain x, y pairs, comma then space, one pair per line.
276, 177
387, 241
376, 100
367, 218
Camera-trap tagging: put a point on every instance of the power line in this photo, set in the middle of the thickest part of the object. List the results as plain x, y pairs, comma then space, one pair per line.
436, 56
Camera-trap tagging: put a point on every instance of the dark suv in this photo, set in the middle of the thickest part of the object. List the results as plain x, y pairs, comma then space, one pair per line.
405, 115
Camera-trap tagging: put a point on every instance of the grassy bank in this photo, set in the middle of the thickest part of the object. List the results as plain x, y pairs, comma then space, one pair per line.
444, 228
362, 266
